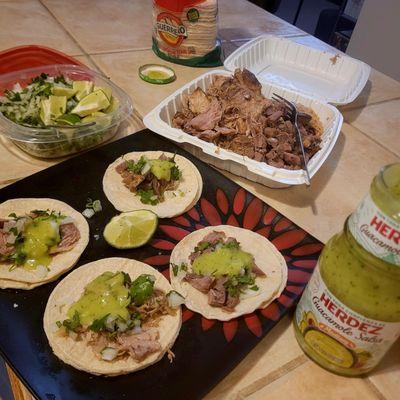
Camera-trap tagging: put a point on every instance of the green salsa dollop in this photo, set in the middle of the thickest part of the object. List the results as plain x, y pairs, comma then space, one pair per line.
105, 295
223, 261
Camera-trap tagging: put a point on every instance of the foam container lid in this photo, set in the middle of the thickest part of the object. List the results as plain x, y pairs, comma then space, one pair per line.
332, 78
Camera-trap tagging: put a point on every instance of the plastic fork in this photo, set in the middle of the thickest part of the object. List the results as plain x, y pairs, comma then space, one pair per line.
293, 113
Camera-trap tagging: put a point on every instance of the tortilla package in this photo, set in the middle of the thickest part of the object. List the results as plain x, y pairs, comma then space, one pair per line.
185, 32
78, 351
176, 200
74, 237
268, 273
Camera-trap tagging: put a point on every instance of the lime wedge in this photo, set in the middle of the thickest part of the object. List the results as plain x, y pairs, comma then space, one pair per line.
158, 74
106, 89
93, 102
98, 117
69, 119
131, 230
52, 108
114, 104
45, 114
82, 88
63, 91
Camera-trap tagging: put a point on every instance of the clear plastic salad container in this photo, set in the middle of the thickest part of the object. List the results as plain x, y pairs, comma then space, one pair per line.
52, 142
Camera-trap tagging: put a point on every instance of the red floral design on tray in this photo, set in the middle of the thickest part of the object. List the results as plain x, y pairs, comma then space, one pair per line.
300, 250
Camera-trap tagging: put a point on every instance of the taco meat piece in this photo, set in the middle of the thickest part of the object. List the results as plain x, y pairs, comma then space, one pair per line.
198, 102
217, 294
208, 119
202, 283
5, 248
69, 237
120, 168
213, 238
231, 303
139, 345
257, 271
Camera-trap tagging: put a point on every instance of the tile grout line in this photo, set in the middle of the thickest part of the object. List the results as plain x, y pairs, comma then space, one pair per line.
374, 389
367, 105
271, 377
63, 27
373, 140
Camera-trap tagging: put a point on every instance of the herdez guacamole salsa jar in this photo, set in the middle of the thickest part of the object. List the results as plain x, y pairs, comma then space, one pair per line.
349, 314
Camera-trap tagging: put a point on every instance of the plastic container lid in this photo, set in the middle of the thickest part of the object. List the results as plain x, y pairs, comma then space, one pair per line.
31, 56
331, 78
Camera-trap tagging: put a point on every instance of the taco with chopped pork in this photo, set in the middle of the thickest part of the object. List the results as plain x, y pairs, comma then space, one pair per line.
224, 271
39, 240
165, 183
112, 317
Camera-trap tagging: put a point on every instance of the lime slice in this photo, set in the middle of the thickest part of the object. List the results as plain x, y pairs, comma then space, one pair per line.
69, 119
114, 104
131, 230
82, 88
52, 108
63, 91
158, 74
106, 89
98, 117
93, 102
44, 113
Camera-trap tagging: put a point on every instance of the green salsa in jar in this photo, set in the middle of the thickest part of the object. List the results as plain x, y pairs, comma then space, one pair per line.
349, 314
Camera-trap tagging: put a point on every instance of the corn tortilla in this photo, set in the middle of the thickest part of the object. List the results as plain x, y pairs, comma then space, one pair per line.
78, 353
266, 257
61, 262
176, 202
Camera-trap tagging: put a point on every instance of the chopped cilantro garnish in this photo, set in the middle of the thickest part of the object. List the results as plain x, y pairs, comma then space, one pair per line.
176, 173
59, 324
236, 284
148, 197
176, 268
137, 167
255, 288
234, 244
73, 323
202, 246
99, 324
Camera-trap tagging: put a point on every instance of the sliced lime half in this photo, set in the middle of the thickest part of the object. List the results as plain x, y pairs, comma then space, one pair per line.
131, 230
156, 73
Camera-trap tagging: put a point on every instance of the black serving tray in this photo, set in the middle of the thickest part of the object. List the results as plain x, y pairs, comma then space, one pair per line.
206, 351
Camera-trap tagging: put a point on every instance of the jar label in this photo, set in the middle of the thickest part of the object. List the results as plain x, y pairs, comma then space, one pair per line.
376, 232
338, 334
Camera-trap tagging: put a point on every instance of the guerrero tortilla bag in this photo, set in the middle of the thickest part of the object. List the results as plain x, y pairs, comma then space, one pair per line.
185, 32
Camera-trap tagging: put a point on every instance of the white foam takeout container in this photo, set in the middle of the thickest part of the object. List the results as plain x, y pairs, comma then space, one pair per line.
306, 76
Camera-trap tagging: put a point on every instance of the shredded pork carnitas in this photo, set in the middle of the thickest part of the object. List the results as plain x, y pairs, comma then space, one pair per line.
234, 115
140, 342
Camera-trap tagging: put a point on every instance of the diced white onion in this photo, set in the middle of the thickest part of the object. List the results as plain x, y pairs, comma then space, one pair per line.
146, 168
136, 330
73, 335
11, 238
122, 326
175, 299
66, 220
88, 212
97, 206
109, 353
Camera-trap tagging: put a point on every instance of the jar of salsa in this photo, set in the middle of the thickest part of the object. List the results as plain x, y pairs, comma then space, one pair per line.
349, 314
